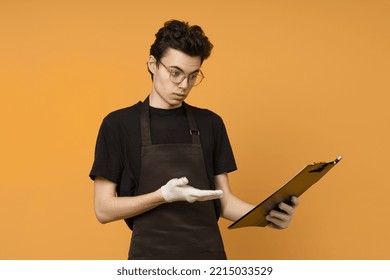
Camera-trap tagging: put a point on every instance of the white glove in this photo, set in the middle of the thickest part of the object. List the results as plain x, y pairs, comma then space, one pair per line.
178, 190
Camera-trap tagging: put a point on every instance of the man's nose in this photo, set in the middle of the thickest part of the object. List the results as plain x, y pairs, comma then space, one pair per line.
184, 84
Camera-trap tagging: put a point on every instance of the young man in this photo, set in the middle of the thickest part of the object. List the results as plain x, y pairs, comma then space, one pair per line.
162, 164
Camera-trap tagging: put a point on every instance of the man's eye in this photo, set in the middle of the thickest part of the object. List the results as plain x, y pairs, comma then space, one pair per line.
175, 73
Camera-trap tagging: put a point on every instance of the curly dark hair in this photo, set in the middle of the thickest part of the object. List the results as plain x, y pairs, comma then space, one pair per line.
181, 36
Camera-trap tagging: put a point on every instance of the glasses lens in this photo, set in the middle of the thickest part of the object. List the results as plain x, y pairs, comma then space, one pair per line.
195, 80
177, 76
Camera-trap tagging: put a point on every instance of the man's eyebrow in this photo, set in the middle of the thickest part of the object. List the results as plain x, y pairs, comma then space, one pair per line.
178, 68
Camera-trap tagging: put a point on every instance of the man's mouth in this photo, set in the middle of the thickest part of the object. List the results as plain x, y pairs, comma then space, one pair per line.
180, 95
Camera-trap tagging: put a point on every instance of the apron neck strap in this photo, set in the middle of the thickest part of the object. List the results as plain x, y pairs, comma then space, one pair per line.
145, 124
194, 131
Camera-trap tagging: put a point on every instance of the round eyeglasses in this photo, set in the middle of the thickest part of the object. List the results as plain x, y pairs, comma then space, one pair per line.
177, 76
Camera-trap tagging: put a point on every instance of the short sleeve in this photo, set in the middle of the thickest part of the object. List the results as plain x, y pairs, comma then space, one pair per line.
224, 161
108, 161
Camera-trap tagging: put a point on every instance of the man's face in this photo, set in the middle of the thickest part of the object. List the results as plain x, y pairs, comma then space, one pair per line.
165, 93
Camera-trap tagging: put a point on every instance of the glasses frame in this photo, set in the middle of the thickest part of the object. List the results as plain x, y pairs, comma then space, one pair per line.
199, 75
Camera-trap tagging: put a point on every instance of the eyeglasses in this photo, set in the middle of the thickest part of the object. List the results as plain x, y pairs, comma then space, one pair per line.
177, 76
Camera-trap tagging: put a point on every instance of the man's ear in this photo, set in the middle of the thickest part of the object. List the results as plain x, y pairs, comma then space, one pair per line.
152, 64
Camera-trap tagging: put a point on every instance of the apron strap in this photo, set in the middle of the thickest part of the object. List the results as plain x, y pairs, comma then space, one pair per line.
145, 124
193, 127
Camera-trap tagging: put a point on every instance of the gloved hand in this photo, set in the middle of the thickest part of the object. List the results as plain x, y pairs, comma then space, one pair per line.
281, 218
179, 190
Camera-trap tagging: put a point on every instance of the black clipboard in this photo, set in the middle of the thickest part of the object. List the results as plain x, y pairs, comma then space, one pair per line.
295, 187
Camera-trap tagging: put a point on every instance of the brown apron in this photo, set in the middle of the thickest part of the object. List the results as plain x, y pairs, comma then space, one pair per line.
177, 230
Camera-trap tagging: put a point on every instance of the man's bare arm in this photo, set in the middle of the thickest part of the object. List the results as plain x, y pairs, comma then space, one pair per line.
233, 208
109, 207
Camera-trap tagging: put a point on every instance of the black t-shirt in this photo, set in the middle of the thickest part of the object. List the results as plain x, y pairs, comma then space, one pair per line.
118, 146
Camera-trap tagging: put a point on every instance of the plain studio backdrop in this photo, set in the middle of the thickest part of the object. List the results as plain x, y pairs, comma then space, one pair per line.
295, 82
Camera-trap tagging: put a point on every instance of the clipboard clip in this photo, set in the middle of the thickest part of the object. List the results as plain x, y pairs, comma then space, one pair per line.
337, 159
324, 164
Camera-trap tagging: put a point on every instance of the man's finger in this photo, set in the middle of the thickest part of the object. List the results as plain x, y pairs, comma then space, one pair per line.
206, 194
286, 208
295, 201
276, 223
279, 215
182, 181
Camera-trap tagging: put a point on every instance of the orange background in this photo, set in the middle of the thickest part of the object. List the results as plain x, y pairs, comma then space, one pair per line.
295, 82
